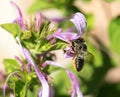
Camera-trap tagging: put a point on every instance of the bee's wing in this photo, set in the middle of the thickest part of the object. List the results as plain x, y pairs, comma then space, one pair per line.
89, 57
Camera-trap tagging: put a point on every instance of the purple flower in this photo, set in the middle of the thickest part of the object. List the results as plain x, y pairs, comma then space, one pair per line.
79, 21
38, 21
75, 84
58, 19
69, 53
45, 90
20, 20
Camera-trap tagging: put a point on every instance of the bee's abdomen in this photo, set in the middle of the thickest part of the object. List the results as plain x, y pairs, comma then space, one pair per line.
79, 62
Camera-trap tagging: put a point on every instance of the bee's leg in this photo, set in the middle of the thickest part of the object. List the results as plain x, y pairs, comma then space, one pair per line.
73, 46
74, 65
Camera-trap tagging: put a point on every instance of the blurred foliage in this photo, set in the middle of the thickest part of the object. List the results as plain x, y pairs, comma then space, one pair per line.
114, 34
110, 0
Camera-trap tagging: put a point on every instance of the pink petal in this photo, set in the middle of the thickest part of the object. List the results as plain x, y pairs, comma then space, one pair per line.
52, 36
38, 21
79, 21
20, 16
68, 53
65, 36
75, 83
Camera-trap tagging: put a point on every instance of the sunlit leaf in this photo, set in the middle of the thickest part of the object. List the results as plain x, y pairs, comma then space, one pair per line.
114, 34
59, 45
40, 5
11, 65
26, 35
109, 1
11, 28
30, 94
87, 0
90, 21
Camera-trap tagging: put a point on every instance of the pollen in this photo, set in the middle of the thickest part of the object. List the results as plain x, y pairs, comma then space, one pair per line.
74, 65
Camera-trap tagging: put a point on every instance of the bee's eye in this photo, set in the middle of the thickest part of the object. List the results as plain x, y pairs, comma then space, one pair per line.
80, 47
77, 41
84, 47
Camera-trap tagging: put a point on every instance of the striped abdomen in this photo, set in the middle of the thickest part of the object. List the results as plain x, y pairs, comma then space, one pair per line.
78, 63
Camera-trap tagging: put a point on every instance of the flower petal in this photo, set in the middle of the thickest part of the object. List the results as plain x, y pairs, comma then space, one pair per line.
52, 36
53, 63
58, 20
45, 86
68, 53
75, 83
79, 21
12, 95
65, 36
19, 20
39, 21
18, 9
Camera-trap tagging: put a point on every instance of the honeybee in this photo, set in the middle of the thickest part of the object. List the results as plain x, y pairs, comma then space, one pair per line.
79, 48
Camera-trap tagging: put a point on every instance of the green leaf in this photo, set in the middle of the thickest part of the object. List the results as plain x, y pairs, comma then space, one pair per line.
96, 53
40, 5
60, 85
11, 65
19, 88
86, 0
90, 21
26, 35
114, 34
23, 91
109, 1
30, 94
12, 28
58, 46
108, 90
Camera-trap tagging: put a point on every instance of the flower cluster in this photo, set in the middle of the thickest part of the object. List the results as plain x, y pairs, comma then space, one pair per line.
36, 40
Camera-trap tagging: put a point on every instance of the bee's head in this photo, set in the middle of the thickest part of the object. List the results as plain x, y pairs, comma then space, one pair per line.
79, 40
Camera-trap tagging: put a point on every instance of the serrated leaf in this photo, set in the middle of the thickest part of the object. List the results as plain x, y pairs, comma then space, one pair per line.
11, 65
114, 34
40, 5
13, 28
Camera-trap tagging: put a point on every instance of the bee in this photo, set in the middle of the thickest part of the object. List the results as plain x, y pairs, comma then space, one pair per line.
79, 48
